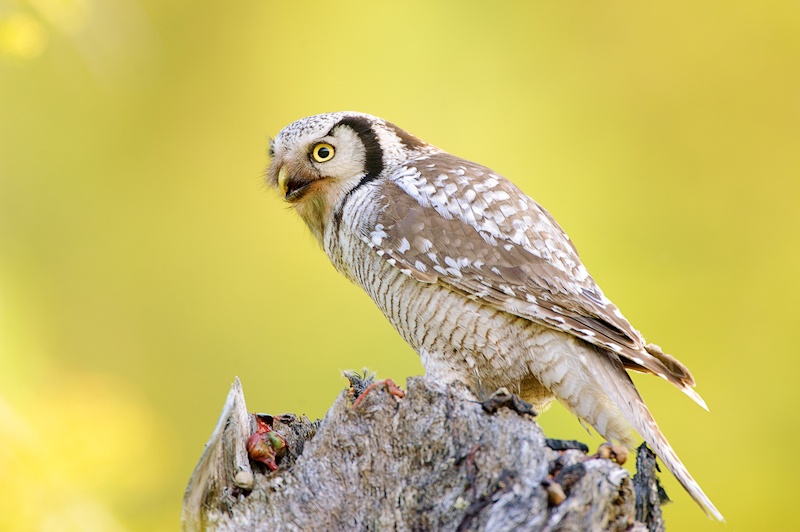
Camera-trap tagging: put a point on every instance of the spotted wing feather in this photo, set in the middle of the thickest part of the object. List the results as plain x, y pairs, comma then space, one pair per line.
442, 219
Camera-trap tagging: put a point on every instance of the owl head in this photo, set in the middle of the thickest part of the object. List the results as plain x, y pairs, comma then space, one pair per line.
318, 160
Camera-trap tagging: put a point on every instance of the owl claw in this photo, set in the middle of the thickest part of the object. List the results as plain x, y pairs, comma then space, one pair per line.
391, 387
610, 451
503, 397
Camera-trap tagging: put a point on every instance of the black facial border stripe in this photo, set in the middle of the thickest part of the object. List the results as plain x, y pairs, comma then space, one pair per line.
373, 163
374, 153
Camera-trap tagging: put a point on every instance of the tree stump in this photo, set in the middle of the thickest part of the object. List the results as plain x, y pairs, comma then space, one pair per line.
435, 459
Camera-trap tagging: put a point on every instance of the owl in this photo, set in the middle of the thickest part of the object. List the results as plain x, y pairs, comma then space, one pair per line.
477, 277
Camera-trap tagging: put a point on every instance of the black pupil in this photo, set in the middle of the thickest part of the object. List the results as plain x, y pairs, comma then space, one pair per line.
323, 152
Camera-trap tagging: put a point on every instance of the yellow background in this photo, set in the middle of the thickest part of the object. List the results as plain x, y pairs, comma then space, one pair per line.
143, 264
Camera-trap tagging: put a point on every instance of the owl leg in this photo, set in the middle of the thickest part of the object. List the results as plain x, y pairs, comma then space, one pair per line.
532, 391
571, 371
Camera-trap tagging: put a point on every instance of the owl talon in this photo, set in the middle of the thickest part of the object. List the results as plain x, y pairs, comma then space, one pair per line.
504, 398
359, 382
610, 451
393, 389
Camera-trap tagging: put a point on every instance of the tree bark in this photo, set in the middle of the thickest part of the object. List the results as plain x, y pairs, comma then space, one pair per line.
435, 459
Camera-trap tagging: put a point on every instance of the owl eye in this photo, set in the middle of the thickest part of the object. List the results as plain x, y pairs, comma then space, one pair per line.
322, 152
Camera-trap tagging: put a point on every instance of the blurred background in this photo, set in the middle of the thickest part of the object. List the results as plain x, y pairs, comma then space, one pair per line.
144, 265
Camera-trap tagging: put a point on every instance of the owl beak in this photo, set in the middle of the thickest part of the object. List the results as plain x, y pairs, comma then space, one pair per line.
283, 178
293, 187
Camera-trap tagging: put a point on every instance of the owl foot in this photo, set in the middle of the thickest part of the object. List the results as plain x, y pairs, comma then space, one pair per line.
610, 451
391, 387
504, 398
359, 382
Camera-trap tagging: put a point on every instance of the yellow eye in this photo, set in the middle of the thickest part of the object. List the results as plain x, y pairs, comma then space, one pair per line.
322, 152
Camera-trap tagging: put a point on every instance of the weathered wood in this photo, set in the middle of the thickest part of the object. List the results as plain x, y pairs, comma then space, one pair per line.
433, 460
649, 493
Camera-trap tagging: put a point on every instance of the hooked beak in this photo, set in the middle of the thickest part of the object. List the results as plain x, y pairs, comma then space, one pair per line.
283, 178
292, 187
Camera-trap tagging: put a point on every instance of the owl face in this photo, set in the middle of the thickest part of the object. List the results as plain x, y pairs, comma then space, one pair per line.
315, 157
318, 160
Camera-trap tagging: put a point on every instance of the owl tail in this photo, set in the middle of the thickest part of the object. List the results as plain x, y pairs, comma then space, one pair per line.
619, 387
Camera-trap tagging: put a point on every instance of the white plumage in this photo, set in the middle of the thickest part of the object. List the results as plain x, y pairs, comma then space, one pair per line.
475, 275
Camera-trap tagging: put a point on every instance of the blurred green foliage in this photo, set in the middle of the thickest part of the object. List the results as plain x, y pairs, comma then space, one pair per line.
143, 264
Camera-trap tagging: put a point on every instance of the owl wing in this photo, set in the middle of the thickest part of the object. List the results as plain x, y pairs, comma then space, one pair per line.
445, 220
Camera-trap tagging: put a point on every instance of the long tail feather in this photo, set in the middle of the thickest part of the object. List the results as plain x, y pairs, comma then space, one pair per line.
619, 387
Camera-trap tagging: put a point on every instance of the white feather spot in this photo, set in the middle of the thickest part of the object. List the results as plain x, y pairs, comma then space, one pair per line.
507, 290
489, 239
438, 199
479, 206
490, 227
519, 238
404, 245
378, 235
507, 210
